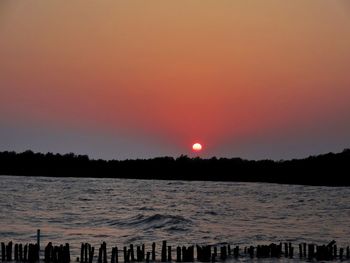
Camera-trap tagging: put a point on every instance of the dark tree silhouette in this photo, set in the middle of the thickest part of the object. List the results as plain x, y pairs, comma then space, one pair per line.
327, 169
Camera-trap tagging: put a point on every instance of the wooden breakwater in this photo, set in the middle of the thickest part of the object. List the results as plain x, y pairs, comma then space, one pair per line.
31, 253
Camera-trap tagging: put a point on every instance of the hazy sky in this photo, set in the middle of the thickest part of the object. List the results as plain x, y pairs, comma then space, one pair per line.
145, 78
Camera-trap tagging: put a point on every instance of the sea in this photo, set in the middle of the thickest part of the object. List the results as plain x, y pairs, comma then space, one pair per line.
126, 211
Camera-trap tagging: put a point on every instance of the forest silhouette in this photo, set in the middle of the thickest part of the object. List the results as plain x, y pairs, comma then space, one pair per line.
332, 169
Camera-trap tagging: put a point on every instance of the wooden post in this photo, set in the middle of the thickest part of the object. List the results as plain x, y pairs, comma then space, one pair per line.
104, 252
236, 252
99, 260
3, 254
311, 251
341, 253
113, 255
347, 252
86, 252
132, 252
138, 253
199, 253
16, 252
9, 251
223, 254
184, 254
251, 251
125, 255
153, 251
48, 253
286, 250
291, 252
169, 253
82, 249
178, 254
143, 252
148, 256
91, 253
25, 255
20, 251
191, 253
304, 250
38, 239
163, 257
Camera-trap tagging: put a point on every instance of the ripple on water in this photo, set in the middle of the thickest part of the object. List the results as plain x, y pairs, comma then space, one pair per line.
124, 211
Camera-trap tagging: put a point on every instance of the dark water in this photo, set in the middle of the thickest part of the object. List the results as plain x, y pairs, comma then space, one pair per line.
124, 211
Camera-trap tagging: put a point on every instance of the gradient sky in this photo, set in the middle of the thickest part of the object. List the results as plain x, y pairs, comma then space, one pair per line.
144, 78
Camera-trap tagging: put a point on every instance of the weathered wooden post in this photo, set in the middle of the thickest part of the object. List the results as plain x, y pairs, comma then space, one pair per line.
25, 255
48, 253
138, 253
82, 250
223, 253
20, 251
169, 254
251, 251
91, 253
125, 255
143, 252
191, 251
38, 240
213, 258
236, 252
163, 256
86, 252
16, 252
304, 250
286, 250
9, 251
291, 252
99, 260
132, 252
3, 254
153, 251
65, 253
184, 254
178, 254
104, 245
199, 253
113, 255
311, 251
347, 252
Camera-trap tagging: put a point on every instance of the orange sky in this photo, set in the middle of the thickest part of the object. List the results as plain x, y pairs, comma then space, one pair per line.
247, 78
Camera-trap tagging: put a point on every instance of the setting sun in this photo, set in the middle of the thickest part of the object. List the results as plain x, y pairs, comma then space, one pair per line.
197, 147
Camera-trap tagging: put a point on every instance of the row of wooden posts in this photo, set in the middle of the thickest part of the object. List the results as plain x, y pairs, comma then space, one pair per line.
26, 253
61, 254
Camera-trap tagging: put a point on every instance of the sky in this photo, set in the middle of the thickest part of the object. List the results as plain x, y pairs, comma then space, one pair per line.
145, 78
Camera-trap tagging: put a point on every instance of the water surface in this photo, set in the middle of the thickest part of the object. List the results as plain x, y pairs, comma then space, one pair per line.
121, 211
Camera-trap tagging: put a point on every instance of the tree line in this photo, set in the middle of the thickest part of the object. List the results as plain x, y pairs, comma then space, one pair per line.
331, 169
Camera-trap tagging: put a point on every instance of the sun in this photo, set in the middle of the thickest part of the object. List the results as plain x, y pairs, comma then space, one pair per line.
197, 147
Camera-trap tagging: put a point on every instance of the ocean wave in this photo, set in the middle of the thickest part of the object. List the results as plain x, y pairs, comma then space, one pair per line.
153, 221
